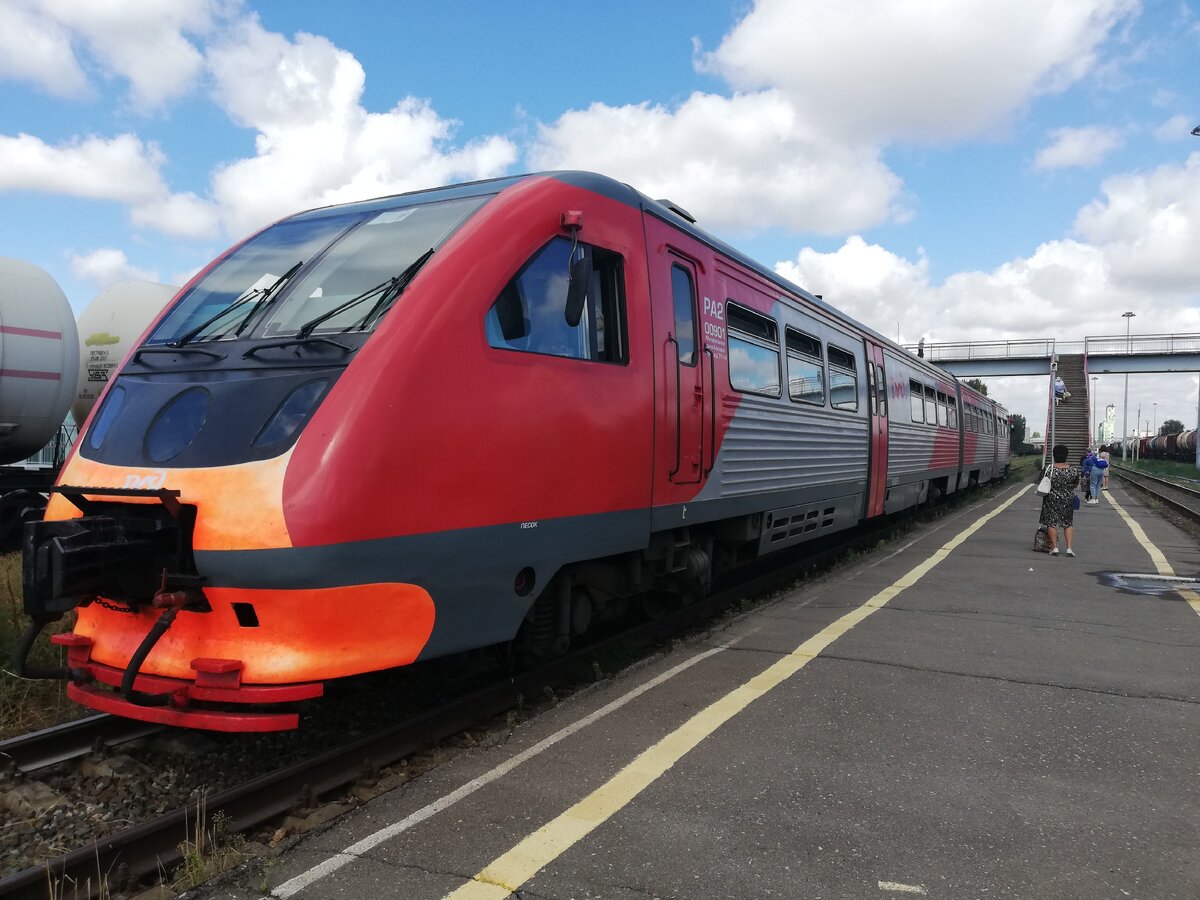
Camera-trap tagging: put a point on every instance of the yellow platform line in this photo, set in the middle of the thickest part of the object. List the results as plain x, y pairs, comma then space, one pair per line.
508, 872
1156, 555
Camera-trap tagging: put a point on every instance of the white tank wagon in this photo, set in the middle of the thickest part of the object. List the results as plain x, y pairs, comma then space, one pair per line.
108, 327
39, 359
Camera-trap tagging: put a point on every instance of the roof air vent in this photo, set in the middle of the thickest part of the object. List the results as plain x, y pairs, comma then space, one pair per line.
678, 210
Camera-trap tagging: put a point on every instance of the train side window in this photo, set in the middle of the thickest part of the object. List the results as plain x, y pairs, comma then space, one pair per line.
753, 351
806, 368
843, 379
942, 413
930, 405
871, 404
952, 406
916, 399
881, 391
683, 292
529, 315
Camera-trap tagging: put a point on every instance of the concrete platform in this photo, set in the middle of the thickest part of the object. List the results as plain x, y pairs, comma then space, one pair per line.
965, 721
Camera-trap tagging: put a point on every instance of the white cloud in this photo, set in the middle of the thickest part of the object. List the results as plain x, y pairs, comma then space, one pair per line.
941, 69
123, 168
37, 49
742, 162
142, 41
1078, 147
106, 267
316, 144
1136, 249
1176, 128
820, 91
181, 215
1149, 227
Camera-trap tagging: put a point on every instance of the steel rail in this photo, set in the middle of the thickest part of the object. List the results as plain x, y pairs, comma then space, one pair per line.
155, 844
1152, 484
71, 740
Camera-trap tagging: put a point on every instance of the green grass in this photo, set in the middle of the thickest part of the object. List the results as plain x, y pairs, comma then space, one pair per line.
27, 705
1161, 467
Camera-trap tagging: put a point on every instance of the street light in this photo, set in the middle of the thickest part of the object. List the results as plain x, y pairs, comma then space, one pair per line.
1095, 424
1155, 418
1125, 408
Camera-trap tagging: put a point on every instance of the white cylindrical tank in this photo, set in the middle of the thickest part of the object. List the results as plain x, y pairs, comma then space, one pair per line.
108, 329
39, 359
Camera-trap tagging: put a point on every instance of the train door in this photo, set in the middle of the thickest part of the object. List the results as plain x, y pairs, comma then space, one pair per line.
877, 394
685, 368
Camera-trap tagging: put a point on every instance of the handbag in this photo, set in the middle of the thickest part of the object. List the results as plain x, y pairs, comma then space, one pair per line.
1075, 501
1043, 487
1041, 541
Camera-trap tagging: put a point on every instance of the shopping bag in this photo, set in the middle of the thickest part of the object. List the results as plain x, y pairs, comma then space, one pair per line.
1041, 541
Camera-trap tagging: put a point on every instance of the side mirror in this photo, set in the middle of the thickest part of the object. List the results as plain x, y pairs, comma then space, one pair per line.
577, 284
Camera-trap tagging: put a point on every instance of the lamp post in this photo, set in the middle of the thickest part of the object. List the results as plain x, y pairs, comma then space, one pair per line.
1125, 407
1155, 431
1095, 424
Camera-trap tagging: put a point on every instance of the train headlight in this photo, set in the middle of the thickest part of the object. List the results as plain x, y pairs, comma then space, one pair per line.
291, 413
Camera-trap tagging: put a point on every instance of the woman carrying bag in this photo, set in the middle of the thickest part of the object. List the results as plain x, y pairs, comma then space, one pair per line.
1058, 509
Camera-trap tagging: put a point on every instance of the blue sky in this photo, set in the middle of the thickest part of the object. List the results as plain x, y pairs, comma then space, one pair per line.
961, 169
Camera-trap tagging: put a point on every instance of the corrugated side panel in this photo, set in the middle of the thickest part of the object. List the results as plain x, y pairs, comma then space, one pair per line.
772, 447
909, 450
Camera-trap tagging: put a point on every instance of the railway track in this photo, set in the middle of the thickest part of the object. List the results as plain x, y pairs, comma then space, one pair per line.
1181, 498
154, 845
71, 740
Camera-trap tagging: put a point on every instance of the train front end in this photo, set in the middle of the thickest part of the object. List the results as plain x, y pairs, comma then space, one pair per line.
169, 536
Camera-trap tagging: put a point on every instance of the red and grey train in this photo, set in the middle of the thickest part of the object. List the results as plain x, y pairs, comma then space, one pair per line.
394, 430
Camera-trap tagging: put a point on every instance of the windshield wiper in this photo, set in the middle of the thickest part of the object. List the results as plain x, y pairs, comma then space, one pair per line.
267, 298
388, 291
259, 296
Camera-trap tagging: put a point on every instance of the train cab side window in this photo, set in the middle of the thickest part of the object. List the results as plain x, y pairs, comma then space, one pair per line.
916, 396
843, 379
753, 351
530, 313
806, 368
942, 413
683, 292
930, 405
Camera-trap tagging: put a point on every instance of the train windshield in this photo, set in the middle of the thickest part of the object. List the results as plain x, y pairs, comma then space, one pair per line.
311, 270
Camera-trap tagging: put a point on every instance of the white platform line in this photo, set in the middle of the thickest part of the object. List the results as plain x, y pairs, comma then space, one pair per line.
294, 885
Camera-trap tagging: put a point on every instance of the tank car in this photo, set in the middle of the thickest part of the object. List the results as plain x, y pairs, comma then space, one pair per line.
1185, 445
108, 327
39, 360
394, 430
38, 367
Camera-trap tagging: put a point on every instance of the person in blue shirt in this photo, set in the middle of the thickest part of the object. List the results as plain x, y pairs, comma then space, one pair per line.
1099, 470
1087, 464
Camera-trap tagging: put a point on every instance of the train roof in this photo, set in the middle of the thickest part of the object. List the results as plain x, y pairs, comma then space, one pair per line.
622, 193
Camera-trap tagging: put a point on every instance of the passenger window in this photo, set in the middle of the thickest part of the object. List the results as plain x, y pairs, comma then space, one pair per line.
843, 379
530, 313
916, 397
806, 369
943, 414
683, 290
753, 351
930, 406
